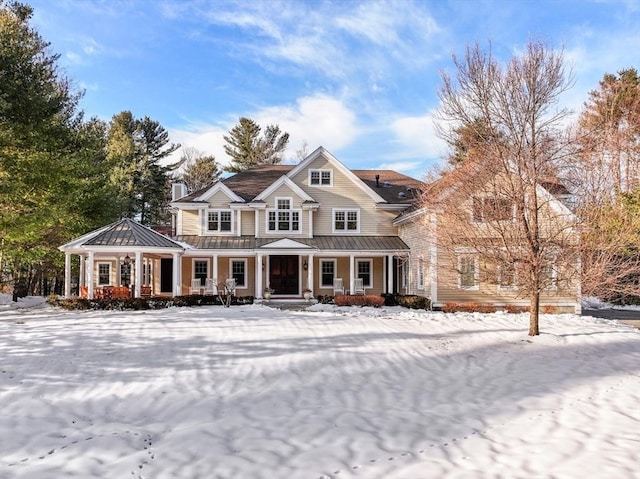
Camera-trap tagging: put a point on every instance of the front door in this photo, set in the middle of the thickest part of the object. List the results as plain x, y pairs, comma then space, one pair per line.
283, 274
166, 275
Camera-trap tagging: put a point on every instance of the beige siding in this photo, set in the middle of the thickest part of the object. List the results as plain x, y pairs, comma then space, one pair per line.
416, 235
343, 194
190, 224
248, 222
219, 200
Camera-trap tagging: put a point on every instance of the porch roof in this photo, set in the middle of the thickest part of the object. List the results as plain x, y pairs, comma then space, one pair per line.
125, 232
319, 243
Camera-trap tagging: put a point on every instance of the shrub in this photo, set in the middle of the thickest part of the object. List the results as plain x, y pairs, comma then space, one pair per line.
137, 304
359, 300
513, 309
413, 302
549, 309
469, 307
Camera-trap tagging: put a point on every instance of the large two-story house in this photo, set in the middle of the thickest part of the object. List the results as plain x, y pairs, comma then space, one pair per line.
286, 229
278, 228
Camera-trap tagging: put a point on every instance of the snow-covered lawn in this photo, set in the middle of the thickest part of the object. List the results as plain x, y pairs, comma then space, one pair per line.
253, 392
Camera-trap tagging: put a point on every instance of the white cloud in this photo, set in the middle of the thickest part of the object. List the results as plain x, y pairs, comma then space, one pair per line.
416, 137
319, 120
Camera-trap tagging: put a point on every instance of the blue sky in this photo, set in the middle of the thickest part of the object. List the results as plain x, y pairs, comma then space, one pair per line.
359, 78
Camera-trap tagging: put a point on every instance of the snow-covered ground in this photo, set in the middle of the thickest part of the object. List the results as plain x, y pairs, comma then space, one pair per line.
253, 392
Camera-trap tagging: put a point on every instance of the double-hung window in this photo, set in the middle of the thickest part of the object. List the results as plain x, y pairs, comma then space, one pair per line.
420, 273
320, 177
507, 276
364, 272
104, 273
239, 272
200, 267
346, 221
468, 270
283, 217
327, 272
219, 221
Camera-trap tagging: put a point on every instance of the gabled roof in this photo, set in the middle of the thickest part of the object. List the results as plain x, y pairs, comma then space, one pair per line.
250, 185
394, 187
284, 180
219, 186
321, 151
124, 232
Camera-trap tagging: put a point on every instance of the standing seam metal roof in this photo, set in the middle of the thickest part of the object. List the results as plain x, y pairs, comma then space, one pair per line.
127, 232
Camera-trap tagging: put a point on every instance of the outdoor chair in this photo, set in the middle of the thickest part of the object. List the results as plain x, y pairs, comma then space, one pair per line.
230, 285
338, 287
210, 287
358, 286
196, 286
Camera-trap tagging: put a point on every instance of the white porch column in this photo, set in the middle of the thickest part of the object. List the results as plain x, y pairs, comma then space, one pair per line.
90, 275
67, 275
214, 267
177, 274
82, 279
136, 293
256, 218
258, 282
310, 274
352, 272
118, 271
390, 274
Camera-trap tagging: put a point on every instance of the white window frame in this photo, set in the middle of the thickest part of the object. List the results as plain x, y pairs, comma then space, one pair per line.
291, 212
218, 231
321, 173
553, 277
335, 271
476, 272
346, 212
420, 274
246, 272
193, 268
108, 265
357, 271
483, 220
507, 287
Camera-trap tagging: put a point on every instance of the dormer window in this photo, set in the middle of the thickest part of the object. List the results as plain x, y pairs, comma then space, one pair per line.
321, 177
219, 221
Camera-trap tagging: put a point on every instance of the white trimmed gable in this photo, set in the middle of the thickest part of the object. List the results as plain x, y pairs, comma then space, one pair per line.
283, 181
321, 151
286, 243
219, 186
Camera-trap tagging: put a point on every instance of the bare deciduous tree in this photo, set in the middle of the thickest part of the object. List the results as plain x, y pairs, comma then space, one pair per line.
497, 222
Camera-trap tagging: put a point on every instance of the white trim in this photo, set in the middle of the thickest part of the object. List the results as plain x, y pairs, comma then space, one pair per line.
109, 274
476, 272
507, 287
355, 273
420, 274
321, 151
320, 271
246, 272
283, 180
277, 210
345, 211
285, 243
320, 171
205, 224
193, 265
218, 186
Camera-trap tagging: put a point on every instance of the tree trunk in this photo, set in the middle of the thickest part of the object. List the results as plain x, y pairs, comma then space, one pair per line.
534, 314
